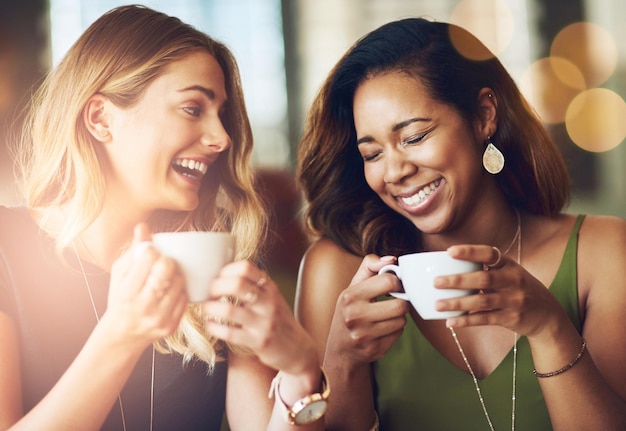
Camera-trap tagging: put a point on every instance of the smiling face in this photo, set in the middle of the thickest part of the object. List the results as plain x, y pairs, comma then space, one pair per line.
158, 150
420, 156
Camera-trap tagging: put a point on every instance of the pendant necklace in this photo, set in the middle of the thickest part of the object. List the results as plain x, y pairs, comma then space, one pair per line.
95, 311
518, 238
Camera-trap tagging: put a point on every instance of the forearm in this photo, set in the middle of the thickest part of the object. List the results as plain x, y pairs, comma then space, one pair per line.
578, 398
352, 403
84, 395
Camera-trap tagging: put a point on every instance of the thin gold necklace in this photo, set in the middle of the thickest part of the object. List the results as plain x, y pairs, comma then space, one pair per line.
518, 237
95, 311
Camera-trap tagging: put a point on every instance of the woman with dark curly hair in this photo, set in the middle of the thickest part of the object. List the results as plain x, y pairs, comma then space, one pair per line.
419, 140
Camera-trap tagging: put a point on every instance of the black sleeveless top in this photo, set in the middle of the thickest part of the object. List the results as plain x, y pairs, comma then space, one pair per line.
48, 300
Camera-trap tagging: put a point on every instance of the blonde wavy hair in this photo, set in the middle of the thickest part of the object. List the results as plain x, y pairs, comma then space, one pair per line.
118, 56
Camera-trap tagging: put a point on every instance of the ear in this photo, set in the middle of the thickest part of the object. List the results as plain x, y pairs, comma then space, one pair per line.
487, 121
96, 118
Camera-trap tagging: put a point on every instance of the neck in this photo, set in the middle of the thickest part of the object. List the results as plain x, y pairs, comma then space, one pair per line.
104, 240
107, 238
497, 228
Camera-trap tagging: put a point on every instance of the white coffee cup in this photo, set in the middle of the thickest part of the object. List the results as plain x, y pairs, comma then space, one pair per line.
201, 255
417, 271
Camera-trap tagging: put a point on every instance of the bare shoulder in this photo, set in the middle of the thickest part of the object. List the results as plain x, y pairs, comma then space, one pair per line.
325, 271
602, 245
602, 293
599, 231
596, 232
602, 261
326, 255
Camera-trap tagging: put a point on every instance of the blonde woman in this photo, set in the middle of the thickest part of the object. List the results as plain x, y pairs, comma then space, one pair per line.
142, 128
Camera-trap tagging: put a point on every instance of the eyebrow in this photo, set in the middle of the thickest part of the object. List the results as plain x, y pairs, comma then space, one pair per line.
210, 94
395, 128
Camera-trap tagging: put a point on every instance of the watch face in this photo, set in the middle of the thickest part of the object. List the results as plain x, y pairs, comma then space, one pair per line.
311, 412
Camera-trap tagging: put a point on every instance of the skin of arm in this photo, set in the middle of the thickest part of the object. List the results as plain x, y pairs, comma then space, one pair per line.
10, 385
351, 329
592, 394
248, 406
82, 399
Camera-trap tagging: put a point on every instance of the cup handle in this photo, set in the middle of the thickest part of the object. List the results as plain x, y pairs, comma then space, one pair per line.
396, 270
390, 268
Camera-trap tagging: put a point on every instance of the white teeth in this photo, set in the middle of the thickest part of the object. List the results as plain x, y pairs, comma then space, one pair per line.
194, 165
418, 197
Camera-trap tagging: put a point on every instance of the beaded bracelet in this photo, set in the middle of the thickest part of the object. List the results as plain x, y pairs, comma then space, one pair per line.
565, 368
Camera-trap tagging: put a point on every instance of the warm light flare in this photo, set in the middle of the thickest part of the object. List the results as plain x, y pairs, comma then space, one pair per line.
590, 47
491, 21
596, 120
550, 84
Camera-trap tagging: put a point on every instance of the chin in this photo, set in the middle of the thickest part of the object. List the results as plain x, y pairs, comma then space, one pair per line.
185, 206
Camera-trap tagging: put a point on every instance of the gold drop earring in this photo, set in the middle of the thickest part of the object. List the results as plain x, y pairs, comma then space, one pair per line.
493, 159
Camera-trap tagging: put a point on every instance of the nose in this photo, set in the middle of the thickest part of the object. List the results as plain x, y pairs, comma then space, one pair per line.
215, 136
397, 166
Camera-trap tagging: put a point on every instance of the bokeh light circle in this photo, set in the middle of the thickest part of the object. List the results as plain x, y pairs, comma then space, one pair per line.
491, 21
550, 84
590, 47
596, 120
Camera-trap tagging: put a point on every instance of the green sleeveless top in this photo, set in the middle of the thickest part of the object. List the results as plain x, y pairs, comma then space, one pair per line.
418, 389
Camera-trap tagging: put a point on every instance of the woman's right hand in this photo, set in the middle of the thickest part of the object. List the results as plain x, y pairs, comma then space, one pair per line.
363, 328
147, 296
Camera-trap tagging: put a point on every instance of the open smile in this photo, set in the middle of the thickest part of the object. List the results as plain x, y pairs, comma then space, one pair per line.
190, 168
421, 195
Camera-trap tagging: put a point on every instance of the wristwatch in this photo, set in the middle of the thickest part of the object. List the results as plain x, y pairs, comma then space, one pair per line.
307, 409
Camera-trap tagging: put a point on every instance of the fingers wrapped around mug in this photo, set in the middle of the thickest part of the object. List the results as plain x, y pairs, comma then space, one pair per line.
259, 319
248, 290
165, 281
238, 295
251, 295
146, 296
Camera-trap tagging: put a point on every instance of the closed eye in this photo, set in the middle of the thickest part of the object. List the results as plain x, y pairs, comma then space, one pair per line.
370, 157
413, 140
193, 111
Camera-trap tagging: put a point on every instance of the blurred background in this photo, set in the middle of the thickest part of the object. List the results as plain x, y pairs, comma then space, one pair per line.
568, 57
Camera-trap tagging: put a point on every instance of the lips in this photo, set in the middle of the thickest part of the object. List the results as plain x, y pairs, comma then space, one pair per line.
421, 195
191, 168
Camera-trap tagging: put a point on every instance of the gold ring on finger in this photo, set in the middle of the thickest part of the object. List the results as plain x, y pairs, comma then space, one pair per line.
489, 266
251, 297
261, 281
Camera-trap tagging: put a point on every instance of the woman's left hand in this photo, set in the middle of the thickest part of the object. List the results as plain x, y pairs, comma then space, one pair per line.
509, 296
247, 309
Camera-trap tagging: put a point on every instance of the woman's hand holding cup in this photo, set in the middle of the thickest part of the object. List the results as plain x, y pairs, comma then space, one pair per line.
417, 272
363, 328
147, 295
